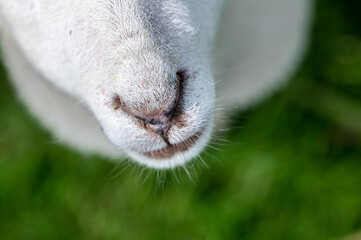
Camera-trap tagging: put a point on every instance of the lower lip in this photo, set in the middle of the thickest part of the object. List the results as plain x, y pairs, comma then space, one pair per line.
172, 149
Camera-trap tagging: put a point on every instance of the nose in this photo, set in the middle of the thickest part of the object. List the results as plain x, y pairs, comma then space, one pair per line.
162, 123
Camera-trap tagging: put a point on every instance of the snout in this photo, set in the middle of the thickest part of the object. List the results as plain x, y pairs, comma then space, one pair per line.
165, 126
158, 120
174, 119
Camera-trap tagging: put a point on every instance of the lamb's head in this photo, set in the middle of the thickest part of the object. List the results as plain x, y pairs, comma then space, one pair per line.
146, 77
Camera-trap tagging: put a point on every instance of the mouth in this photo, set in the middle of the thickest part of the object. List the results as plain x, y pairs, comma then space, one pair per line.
174, 155
171, 149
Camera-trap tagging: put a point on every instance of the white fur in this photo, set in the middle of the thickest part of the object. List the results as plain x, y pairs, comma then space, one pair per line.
60, 53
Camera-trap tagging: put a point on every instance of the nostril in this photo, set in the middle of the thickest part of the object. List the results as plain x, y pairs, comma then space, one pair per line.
169, 111
182, 75
116, 102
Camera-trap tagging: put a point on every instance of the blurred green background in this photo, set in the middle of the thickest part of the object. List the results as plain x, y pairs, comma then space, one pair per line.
291, 171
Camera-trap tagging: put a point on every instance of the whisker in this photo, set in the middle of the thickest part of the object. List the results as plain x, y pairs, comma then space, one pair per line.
175, 176
188, 174
124, 165
212, 156
203, 162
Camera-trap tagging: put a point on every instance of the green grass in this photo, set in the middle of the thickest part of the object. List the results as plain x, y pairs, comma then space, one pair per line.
291, 171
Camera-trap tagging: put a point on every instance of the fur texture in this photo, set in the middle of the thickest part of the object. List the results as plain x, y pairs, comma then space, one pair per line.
62, 53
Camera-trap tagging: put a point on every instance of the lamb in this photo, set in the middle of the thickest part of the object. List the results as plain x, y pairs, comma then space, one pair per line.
136, 77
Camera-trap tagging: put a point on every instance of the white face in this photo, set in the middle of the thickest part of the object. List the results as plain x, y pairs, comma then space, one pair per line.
140, 66
146, 77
